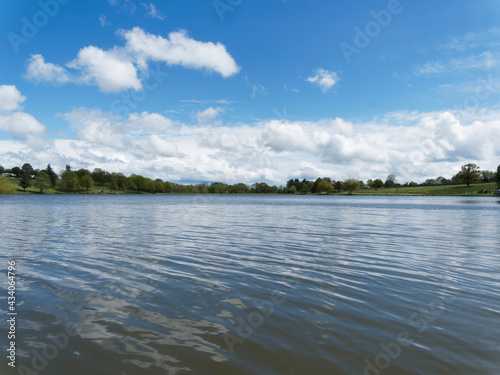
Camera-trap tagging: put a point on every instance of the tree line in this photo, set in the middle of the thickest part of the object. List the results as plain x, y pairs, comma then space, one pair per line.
72, 181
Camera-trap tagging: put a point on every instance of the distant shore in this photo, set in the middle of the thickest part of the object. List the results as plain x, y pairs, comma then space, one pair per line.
441, 190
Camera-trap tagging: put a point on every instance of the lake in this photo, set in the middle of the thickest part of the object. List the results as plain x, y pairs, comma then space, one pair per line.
149, 284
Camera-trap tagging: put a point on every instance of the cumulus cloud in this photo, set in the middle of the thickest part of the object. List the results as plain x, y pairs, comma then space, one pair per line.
179, 49
150, 121
109, 70
12, 119
38, 71
10, 98
208, 115
412, 145
116, 69
324, 79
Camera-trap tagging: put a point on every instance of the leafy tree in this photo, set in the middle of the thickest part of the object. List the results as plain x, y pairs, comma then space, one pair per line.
69, 180
239, 188
378, 183
169, 187
304, 188
132, 186
350, 185
338, 186
324, 187
100, 176
314, 188
26, 172
218, 188
498, 176
2, 169
159, 186
113, 185
469, 174
261, 188
16, 171
5, 186
42, 181
487, 176
52, 175
86, 181
390, 182
82, 172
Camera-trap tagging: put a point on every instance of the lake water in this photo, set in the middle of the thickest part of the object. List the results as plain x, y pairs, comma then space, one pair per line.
145, 284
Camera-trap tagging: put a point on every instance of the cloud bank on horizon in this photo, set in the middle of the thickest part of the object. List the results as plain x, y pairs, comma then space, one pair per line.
418, 111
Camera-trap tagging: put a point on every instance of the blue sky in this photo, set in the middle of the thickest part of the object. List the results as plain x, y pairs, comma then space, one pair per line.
257, 91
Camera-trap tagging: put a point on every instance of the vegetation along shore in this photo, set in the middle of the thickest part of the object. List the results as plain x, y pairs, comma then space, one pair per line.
469, 181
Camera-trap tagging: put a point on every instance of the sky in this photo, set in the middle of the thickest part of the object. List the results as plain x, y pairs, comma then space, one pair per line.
251, 91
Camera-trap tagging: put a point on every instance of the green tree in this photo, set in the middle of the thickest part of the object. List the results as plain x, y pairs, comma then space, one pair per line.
350, 185
52, 175
26, 172
2, 169
487, 176
100, 176
498, 177
5, 186
113, 185
42, 181
169, 187
69, 180
159, 186
338, 186
377, 184
16, 171
390, 182
86, 181
324, 187
469, 174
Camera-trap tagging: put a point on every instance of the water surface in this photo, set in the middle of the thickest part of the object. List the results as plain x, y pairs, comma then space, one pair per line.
253, 284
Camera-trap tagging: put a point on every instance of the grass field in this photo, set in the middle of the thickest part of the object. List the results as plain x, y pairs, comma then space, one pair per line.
434, 190
416, 190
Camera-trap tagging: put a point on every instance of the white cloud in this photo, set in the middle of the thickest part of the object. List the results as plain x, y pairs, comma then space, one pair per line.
324, 79
10, 98
111, 70
208, 115
152, 12
12, 120
179, 49
40, 71
116, 69
483, 61
150, 121
414, 146
103, 21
